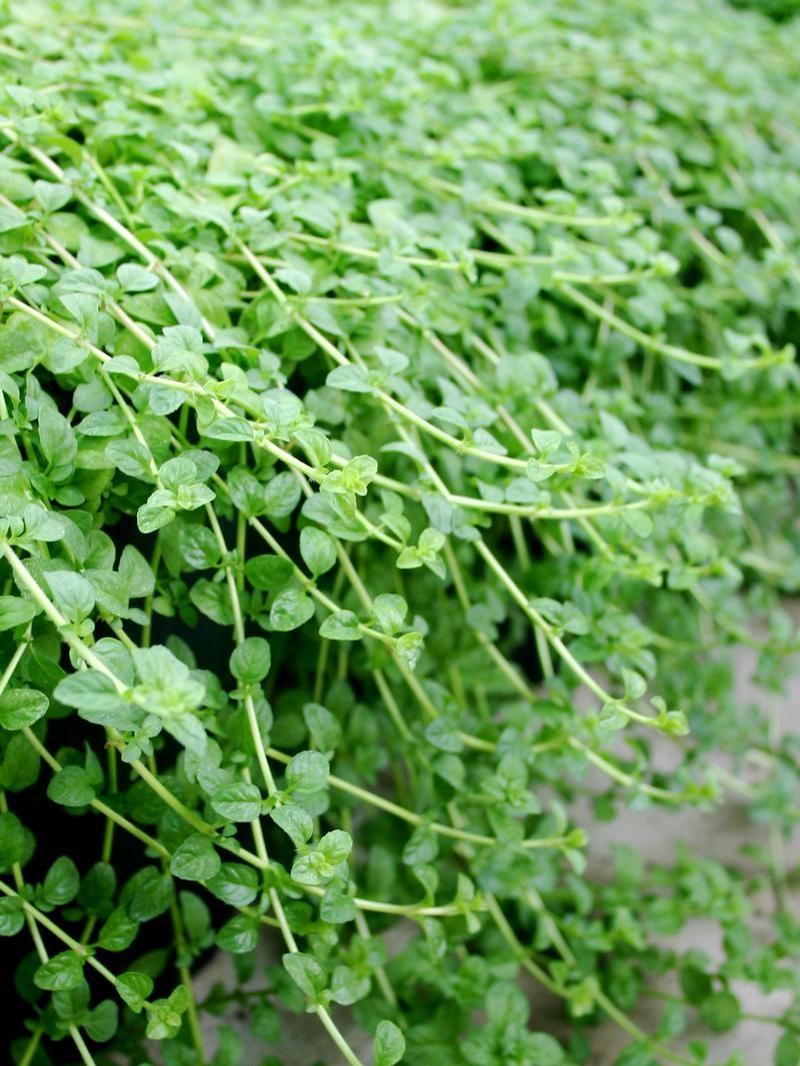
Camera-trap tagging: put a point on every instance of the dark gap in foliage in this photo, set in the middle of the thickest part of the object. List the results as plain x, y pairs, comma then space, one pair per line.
777, 10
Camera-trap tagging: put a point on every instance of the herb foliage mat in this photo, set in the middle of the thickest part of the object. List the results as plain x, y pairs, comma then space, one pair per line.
397, 413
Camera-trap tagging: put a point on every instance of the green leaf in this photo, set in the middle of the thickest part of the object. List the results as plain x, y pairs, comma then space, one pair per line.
134, 988
721, 1010
307, 772
290, 610
213, 600
250, 661
16, 272
268, 572
151, 517
422, 846
390, 611
230, 429
199, 547
73, 594
295, 821
409, 647
52, 195
239, 935
20, 765
695, 984
97, 889
317, 549
176, 473
237, 802
16, 843
61, 883
787, 1051
543, 1050
196, 859
347, 986
389, 1045
96, 698
60, 973
102, 1022
134, 278
118, 931
337, 908
179, 350
71, 1006
298, 280
546, 441
14, 611
234, 884
136, 572
12, 916
149, 895
281, 495
325, 861
307, 974
57, 438
323, 727
11, 218
165, 1016
71, 787
265, 1023
21, 707
196, 920
343, 625
349, 379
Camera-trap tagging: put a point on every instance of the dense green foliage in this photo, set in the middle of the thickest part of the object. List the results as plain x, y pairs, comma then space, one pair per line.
396, 414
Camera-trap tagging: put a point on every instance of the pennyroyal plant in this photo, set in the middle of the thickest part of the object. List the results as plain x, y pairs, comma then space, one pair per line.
397, 412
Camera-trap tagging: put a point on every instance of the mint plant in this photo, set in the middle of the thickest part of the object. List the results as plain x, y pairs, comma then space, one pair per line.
397, 425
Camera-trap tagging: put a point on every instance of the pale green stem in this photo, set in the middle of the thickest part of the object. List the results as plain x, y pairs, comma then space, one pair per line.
13, 662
